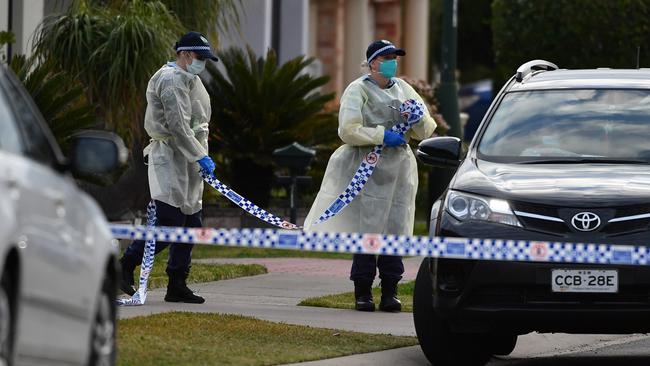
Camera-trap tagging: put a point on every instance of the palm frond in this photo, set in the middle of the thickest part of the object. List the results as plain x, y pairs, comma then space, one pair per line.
114, 49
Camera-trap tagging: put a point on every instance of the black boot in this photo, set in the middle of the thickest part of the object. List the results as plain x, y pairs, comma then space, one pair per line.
177, 290
363, 295
389, 301
127, 285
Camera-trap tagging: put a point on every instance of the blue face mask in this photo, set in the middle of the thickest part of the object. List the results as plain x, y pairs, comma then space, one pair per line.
196, 67
388, 68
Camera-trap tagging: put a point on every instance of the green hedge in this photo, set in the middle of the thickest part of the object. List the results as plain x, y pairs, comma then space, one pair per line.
571, 33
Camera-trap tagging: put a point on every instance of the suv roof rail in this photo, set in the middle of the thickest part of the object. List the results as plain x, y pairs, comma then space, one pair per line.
533, 65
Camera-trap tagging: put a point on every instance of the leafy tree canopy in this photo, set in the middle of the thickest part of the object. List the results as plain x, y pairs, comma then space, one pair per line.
571, 33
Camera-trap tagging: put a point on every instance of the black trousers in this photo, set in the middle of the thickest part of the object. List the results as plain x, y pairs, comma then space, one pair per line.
364, 267
180, 254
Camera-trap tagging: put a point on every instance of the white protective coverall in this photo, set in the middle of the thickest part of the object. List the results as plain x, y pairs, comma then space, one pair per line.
177, 120
386, 205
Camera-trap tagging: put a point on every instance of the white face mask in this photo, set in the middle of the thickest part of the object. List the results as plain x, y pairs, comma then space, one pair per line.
196, 67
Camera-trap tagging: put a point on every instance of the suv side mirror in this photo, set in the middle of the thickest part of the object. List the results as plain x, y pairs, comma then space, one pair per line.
441, 152
96, 152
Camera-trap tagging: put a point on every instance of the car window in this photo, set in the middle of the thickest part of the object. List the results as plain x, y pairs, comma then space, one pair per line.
569, 124
9, 135
36, 139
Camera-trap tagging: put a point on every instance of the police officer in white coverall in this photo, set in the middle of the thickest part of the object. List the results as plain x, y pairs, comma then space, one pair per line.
176, 120
386, 205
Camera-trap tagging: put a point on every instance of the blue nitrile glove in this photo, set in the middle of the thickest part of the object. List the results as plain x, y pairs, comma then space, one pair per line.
207, 164
393, 139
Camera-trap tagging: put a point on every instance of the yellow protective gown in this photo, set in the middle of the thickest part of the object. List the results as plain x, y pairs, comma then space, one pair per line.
386, 205
177, 120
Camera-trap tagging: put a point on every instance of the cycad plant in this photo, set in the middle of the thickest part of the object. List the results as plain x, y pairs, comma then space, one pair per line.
58, 95
259, 105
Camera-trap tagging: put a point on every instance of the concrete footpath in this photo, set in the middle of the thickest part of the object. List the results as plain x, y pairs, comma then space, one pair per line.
274, 297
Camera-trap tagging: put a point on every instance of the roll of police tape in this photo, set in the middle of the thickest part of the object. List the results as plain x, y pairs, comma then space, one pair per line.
435, 247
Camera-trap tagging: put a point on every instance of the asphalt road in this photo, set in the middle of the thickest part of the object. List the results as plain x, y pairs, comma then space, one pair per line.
532, 350
629, 350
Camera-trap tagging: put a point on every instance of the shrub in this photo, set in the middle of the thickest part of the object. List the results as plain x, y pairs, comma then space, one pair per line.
258, 106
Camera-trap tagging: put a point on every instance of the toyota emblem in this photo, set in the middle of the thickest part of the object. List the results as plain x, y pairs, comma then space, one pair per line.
585, 221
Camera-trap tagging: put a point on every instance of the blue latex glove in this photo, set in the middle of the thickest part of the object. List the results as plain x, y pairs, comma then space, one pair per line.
393, 139
207, 164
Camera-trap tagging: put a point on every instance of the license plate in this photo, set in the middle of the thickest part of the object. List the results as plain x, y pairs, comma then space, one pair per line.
584, 280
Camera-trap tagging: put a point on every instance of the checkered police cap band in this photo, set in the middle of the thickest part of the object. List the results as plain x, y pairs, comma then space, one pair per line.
193, 48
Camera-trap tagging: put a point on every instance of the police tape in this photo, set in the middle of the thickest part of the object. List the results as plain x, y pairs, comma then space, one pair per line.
140, 295
397, 245
410, 110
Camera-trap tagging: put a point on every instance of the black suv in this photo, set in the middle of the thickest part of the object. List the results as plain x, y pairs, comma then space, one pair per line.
560, 156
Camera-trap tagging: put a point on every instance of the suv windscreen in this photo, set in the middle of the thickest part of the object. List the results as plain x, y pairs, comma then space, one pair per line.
566, 126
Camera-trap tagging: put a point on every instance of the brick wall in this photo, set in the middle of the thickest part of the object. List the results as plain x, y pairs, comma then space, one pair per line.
329, 41
388, 20
330, 29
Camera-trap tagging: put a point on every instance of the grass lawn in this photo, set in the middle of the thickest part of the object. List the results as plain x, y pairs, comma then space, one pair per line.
346, 300
210, 251
201, 272
182, 338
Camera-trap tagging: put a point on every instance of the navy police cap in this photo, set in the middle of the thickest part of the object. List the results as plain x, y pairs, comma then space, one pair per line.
382, 48
195, 42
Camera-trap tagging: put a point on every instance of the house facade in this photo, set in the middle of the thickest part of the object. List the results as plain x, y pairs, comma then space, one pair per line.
22, 17
336, 33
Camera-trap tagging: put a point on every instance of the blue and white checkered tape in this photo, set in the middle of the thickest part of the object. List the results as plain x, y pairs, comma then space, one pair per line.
247, 205
411, 110
140, 295
436, 247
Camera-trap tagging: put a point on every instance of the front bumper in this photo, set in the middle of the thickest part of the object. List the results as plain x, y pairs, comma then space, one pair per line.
516, 297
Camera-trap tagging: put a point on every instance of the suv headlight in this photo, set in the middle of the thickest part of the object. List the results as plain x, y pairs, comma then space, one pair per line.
465, 206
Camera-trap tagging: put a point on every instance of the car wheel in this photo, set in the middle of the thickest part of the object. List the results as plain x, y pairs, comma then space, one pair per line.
502, 344
440, 345
6, 321
102, 343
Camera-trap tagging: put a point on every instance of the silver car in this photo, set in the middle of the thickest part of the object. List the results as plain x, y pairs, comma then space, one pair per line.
57, 257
